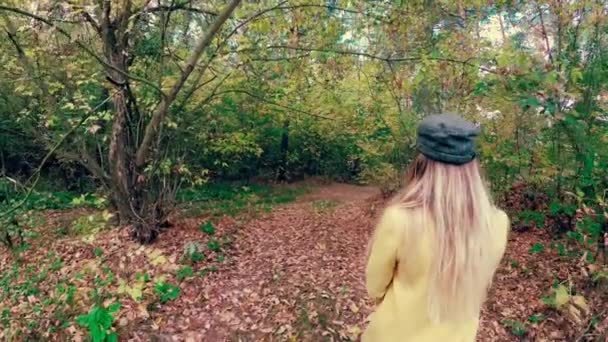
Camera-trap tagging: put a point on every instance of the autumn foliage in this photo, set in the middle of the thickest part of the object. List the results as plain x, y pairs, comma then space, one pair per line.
140, 141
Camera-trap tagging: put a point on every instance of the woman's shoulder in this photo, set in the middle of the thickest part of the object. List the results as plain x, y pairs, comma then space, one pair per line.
501, 217
401, 216
502, 226
399, 212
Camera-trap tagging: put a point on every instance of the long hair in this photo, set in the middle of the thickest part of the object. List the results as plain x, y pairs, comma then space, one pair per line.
455, 202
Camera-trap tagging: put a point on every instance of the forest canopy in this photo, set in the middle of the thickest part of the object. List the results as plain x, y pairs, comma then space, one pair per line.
141, 97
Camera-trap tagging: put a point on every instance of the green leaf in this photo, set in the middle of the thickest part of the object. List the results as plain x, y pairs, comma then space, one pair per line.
112, 337
213, 245
536, 248
114, 307
83, 320
167, 291
208, 228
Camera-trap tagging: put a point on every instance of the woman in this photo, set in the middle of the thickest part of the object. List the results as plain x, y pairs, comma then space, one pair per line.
436, 247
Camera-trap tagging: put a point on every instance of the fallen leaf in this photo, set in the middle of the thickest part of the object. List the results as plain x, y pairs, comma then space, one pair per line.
561, 296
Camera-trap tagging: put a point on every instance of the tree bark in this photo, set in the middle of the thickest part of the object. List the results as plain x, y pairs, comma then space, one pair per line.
117, 157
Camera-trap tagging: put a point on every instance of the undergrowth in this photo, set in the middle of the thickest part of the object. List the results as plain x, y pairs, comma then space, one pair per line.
47, 295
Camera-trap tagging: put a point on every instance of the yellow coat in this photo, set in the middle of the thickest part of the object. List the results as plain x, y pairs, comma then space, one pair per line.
402, 285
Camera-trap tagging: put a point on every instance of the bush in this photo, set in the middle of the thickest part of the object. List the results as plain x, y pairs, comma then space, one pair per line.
384, 175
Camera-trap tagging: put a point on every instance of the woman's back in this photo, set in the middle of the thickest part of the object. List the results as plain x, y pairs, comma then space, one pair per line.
399, 272
437, 246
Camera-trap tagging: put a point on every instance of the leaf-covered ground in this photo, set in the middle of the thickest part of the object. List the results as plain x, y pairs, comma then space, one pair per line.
294, 273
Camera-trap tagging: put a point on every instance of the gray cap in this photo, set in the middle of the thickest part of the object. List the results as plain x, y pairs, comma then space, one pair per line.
447, 138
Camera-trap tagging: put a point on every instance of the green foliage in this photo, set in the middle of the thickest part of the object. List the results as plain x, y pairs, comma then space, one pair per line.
220, 258
600, 276
537, 248
561, 249
556, 208
184, 273
166, 291
221, 199
517, 328
536, 318
24, 221
99, 323
385, 175
559, 296
207, 228
282, 114
136, 288
214, 245
89, 225
532, 217
193, 252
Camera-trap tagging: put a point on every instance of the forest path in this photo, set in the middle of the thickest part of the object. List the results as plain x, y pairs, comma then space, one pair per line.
297, 274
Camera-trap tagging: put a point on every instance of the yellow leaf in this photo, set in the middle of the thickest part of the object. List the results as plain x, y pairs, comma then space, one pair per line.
157, 257
90, 267
561, 296
89, 238
354, 331
160, 279
581, 303
574, 314
106, 215
135, 292
122, 286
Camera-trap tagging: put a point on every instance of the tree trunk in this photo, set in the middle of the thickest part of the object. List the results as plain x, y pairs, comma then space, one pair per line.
137, 197
117, 156
282, 174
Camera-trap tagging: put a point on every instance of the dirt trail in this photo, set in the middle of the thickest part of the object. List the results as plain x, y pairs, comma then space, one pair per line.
297, 274
342, 193
294, 272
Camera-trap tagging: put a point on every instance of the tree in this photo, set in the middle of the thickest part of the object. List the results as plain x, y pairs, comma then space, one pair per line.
133, 145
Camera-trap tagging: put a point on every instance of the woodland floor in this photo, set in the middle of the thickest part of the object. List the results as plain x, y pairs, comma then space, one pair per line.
296, 274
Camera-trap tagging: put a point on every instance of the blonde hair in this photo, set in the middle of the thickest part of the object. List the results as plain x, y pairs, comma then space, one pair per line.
455, 200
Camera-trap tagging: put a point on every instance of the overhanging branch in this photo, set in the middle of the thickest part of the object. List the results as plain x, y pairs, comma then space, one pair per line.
81, 45
387, 59
181, 7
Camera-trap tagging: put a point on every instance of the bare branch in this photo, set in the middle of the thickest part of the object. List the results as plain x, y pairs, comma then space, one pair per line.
544, 32
161, 110
87, 16
339, 52
186, 6
387, 59
276, 59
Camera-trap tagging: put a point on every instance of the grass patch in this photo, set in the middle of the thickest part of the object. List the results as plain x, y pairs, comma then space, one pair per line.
231, 199
322, 206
